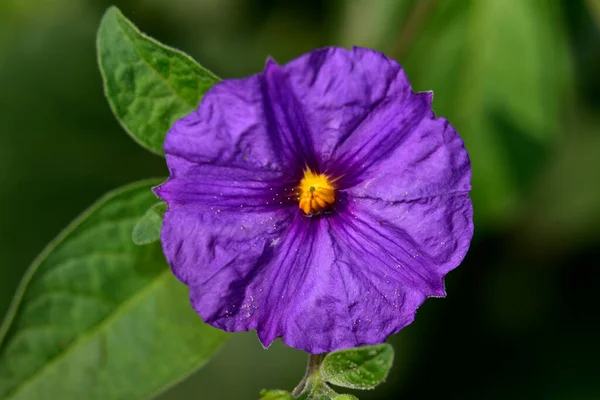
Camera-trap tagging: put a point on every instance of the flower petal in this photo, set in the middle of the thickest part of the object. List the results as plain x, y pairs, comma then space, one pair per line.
218, 214
307, 289
256, 121
338, 88
229, 127
371, 129
387, 259
266, 292
410, 155
416, 242
350, 279
206, 187
202, 246
288, 125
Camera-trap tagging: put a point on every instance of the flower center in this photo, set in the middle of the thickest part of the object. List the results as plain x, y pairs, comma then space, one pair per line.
316, 192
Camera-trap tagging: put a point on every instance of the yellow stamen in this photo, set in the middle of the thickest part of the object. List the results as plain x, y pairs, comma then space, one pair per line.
316, 192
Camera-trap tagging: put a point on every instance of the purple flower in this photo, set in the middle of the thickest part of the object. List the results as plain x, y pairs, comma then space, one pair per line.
320, 201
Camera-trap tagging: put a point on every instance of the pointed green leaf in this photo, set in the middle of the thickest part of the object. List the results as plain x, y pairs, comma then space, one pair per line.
147, 229
358, 368
97, 317
345, 397
148, 85
275, 395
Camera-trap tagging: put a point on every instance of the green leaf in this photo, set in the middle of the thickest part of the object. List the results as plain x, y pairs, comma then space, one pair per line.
97, 317
317, 391
275, 395
358, 368
147, 229
148, 85
500, 71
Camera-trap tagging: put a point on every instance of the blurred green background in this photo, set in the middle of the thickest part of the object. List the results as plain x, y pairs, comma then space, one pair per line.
520, 80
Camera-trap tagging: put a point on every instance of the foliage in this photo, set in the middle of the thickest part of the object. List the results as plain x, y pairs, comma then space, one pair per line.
92, 291
361, 368
90, 294
148, 85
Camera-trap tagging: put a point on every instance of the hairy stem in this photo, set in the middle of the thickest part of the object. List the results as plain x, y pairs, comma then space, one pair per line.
312, 368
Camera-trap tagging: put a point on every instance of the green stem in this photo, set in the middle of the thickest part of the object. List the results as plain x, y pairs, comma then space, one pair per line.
312, 368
